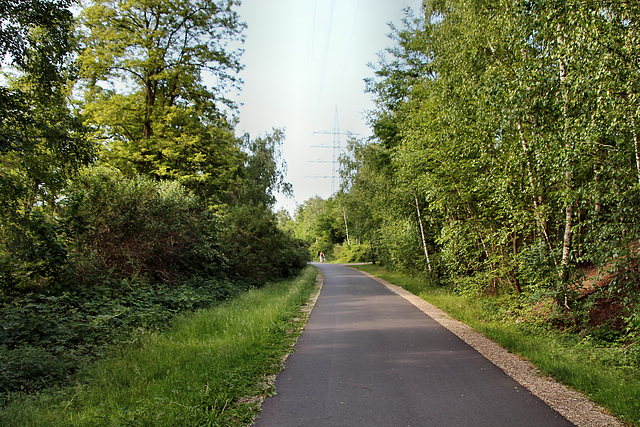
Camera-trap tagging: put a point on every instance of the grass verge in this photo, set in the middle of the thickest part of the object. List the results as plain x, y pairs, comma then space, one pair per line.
207, 369
601, 373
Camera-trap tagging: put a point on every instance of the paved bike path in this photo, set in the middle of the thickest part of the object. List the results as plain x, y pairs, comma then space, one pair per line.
370, 358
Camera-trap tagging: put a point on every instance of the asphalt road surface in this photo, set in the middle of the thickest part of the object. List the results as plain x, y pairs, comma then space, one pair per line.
370, 358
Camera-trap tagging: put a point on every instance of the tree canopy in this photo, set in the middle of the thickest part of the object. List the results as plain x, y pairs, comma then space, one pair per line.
504, 155
41, 140
157, 75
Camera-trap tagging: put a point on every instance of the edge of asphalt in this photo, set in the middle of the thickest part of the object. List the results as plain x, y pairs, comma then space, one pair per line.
305, 311
571, 404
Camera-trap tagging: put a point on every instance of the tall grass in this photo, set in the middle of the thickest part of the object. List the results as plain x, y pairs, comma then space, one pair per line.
598, 371
208, 369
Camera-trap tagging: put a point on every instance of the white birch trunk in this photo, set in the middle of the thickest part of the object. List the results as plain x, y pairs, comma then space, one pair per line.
568, 224
424, 241
346, 227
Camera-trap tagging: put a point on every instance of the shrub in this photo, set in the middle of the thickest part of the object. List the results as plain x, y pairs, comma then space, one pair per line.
33, 255
352, 253
126, 257
256, 249
157, 231
45, 338
400, 245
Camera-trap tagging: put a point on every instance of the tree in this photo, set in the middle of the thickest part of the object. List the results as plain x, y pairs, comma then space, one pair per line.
41, 139
264, 170
42, 142
306, 216
35, 34
515, 124
284, 221
156, 77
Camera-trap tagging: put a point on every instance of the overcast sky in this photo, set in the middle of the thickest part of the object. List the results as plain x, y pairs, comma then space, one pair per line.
305, 59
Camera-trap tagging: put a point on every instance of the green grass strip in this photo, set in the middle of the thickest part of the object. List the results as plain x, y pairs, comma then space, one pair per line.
207, 369
598, 372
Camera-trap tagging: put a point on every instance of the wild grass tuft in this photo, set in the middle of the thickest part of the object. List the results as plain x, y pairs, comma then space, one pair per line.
207, 369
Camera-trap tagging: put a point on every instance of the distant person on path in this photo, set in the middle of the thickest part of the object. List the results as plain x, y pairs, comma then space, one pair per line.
322, 256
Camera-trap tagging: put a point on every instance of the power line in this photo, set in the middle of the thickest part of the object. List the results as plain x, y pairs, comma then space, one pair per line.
336, 149
346, 59
325, 56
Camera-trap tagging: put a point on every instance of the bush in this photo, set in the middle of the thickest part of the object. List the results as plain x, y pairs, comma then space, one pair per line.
400, 246
33, 255
156, 231
45, 338
257, 251
352, 253
126, 256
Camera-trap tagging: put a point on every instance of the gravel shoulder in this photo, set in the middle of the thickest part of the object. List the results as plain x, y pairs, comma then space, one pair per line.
574, 406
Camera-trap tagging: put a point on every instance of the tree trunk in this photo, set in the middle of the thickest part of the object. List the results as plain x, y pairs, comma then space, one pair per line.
424, 241
568, 224
346, 227
635, 144
516, 282
568, 237
150, 89
631, 36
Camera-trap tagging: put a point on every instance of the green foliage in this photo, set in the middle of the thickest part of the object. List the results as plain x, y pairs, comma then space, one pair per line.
41, 140
89, 259
47, 337
352, 253
155, 231
202, 370
305, 217
167, 61
128, 255
35, 255
400, 242
264, 171
36, 35
144, 66
514, 128
285, 221
256, 249
43, 146
328, 226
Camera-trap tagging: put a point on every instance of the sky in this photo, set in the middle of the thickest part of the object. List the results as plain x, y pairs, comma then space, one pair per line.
305, 65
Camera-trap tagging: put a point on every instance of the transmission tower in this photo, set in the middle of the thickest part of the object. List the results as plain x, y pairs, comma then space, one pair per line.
336, 148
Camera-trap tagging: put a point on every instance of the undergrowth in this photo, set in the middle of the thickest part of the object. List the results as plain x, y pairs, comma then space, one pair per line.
46, 337
205, 370
119, 259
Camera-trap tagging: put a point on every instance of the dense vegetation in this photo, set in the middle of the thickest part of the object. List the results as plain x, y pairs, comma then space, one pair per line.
505, 162
210, 368
126, 196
